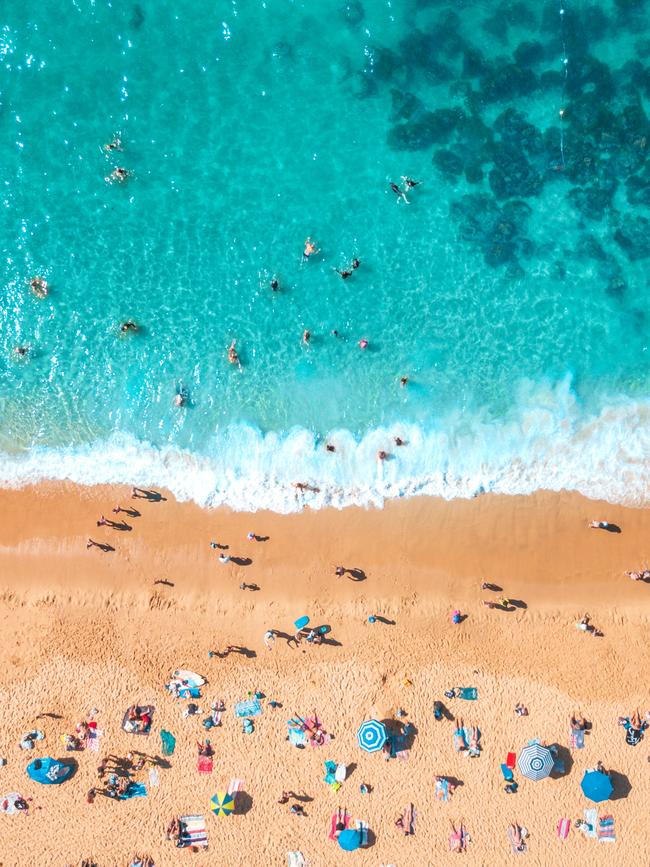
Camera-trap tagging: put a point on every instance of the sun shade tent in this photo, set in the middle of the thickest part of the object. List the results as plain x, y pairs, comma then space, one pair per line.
49, 771
535, 761
372, 735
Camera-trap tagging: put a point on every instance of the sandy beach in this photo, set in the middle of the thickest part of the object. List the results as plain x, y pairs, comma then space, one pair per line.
86, 629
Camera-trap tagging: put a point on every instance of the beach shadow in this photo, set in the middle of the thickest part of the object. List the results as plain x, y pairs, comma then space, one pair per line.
356, 574
132, 513
49, 715
621, 784
446, 713
165, 582
563, 761
261, 538
118, 525
303, 798
284, 635
103, 546
243, 651
149, 495
493, 587
243, 803
454, 781
380, 619
241, 561
372, 839
332, 642
350, 769
611, 528
518, 603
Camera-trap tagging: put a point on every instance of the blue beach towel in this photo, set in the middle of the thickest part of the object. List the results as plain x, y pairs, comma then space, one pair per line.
508, 776
135, 790
168, 742
251, 707
469, 693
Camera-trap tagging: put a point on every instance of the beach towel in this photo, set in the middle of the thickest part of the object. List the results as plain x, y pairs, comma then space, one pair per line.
330, 771
92, 739
591, 818
469, 693
193, 832
204, 764
456, 842
340, 817
442, 790
154, 777
235, 785
135, 790
168, 742
341, 773
251, 707
296, 859
511, 760
606, 832
297, 737
460, 742
577, 739
516, 849
472, 738
508, 776
563, 828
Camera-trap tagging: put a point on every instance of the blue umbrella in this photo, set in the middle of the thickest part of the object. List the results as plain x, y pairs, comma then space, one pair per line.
535, 761
349, 839
372, 735
301, 622
49, 771
596, 786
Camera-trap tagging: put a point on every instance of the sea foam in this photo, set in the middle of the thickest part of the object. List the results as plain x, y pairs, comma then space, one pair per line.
547, 441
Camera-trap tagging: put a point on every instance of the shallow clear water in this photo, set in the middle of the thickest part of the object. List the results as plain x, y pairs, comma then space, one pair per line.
522, 328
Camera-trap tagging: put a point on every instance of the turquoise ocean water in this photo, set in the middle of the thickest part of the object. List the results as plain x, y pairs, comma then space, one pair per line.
512, 290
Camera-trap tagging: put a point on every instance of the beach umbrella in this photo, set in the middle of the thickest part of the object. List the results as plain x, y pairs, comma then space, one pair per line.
372, 735
49, 771
596, 786
301, 622
535, 761
349, 839
222, 804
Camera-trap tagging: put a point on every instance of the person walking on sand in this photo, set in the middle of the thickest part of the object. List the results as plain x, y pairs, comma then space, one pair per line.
269, 639
224, 558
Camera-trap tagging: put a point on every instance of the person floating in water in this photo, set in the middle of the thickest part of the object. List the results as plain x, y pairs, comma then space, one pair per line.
118, 176
275, 284
409, 183
306, 336
21, 351
39, 287
128, 326
180, 398
347, 272
310, 249
233, 358
401, 195
115, 144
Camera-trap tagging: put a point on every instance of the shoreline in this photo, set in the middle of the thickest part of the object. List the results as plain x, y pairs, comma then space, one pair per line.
82, 628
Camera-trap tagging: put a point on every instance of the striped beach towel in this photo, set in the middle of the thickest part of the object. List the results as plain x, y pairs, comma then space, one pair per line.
92, 741
606, 829
193, 832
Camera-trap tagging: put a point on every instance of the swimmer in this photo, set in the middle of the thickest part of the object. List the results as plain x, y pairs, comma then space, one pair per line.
310, 249
39, 286
404, 381
118, 176
306, 336
233, 358
330, 448
275, 285
334, 333
409, 183
355, 264
21, 351
382, 455
399, 441
344, 274
127, 326
347, 272
399, 193
115, 144
363, 343
180, 399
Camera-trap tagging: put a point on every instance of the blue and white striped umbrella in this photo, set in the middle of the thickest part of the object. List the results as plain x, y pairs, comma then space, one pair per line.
371, 735
535, 761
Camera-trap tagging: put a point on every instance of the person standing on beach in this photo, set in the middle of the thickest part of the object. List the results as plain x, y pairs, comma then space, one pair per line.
269, 639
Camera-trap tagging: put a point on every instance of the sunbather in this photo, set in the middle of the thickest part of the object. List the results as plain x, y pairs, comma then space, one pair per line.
578, 722
458, 838
173, 830
205, 748
516, 838
460, 742
472, 735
